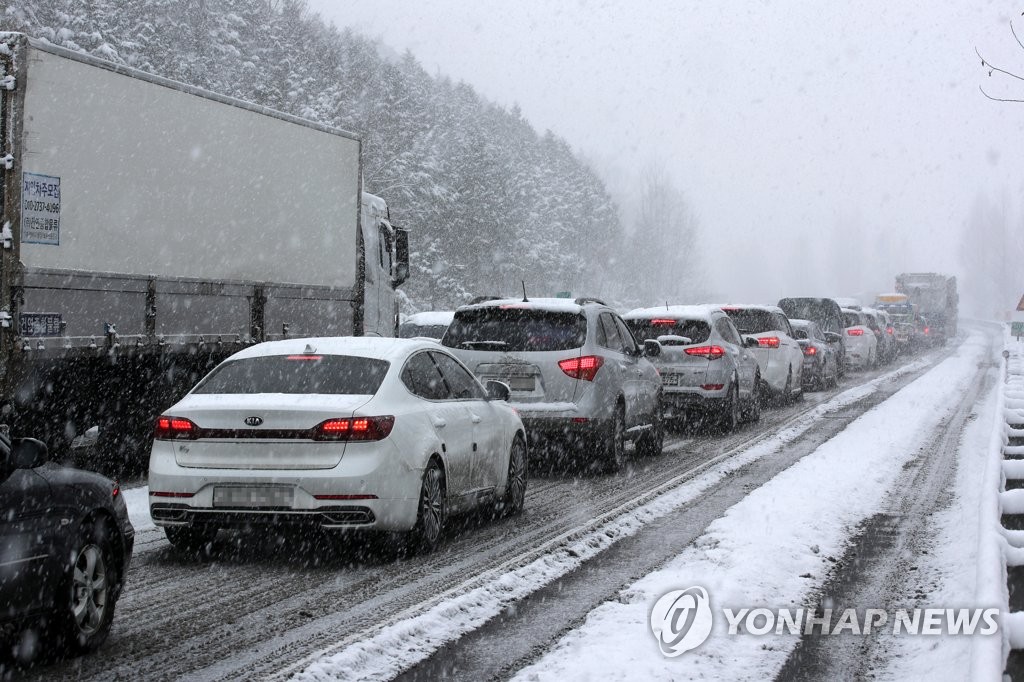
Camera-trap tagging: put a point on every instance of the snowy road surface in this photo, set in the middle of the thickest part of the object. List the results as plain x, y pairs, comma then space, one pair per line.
261, 608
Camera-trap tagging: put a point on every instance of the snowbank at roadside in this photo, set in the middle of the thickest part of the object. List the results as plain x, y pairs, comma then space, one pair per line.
771, 549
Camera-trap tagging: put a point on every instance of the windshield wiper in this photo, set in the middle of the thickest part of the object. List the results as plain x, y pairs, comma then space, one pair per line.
488, 344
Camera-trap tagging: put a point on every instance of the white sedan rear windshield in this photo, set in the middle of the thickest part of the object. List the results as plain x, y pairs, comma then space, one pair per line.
325, 374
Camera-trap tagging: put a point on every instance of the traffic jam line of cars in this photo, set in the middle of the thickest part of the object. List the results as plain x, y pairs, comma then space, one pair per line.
395, 435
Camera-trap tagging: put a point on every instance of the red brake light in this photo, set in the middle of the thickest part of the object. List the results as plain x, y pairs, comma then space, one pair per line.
769, 342
855, 332
175, 428
356, 428
927, 329
304, 357
662, 322
890, 330
584, 367
116, 490
810, 350
710, 352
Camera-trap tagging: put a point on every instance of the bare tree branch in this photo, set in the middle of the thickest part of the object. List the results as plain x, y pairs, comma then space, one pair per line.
1014, 32
986, 63
997, 99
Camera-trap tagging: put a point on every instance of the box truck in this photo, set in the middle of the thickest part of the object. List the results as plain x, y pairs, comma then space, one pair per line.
150, 229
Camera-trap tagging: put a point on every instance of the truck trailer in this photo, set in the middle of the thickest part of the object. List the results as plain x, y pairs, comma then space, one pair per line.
150, 229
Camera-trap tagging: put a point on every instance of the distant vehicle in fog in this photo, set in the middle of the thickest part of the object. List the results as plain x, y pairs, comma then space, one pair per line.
878, 322
827, 314
779, 356
431, 324
904, 319
707, 367
861, 342
821, 366
935, 297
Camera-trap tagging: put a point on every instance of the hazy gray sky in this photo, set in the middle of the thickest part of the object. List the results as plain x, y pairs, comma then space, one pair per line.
856, 128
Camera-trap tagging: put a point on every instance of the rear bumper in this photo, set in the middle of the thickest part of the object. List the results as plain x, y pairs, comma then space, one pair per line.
389, 488
546, 428
677, 404
333, 517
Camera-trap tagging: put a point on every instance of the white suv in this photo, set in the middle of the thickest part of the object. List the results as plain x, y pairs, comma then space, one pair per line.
577, 376
778, 354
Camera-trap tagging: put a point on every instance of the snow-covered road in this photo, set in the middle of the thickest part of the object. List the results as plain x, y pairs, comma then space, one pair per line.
778, 546
263, 608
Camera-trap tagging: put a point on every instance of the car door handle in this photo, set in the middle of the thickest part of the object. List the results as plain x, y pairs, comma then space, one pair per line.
439, 423
475, 419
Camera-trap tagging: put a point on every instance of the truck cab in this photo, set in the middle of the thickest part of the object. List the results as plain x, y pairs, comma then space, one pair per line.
386, 267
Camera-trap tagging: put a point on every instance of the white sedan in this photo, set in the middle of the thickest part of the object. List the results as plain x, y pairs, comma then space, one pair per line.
340, 433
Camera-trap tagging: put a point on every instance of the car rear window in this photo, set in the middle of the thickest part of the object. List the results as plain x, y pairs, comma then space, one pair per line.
324, 374
516, 329
752, 321
851, 319
697, 331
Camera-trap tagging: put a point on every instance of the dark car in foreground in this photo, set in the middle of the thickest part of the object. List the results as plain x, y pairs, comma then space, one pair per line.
65, 545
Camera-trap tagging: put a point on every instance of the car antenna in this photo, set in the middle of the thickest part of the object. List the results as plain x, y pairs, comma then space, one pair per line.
666, 305
525, 300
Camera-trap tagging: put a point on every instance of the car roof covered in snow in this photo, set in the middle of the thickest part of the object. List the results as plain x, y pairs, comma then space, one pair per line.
751, 306
681, 312
430, 318
797, 322
563, 305
361, 346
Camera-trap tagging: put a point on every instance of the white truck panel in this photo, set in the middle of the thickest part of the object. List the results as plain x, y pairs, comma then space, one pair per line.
150, 182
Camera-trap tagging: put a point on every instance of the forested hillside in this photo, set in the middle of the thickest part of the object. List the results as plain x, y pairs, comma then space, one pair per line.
488, 199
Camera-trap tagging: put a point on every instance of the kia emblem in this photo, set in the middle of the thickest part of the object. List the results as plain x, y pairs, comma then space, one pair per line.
253, 421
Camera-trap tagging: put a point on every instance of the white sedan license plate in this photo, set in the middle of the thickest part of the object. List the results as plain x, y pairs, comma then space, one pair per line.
670, 379
253, 497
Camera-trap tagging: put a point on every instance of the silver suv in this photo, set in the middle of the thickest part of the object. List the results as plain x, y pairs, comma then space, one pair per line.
708, 369
577, 376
